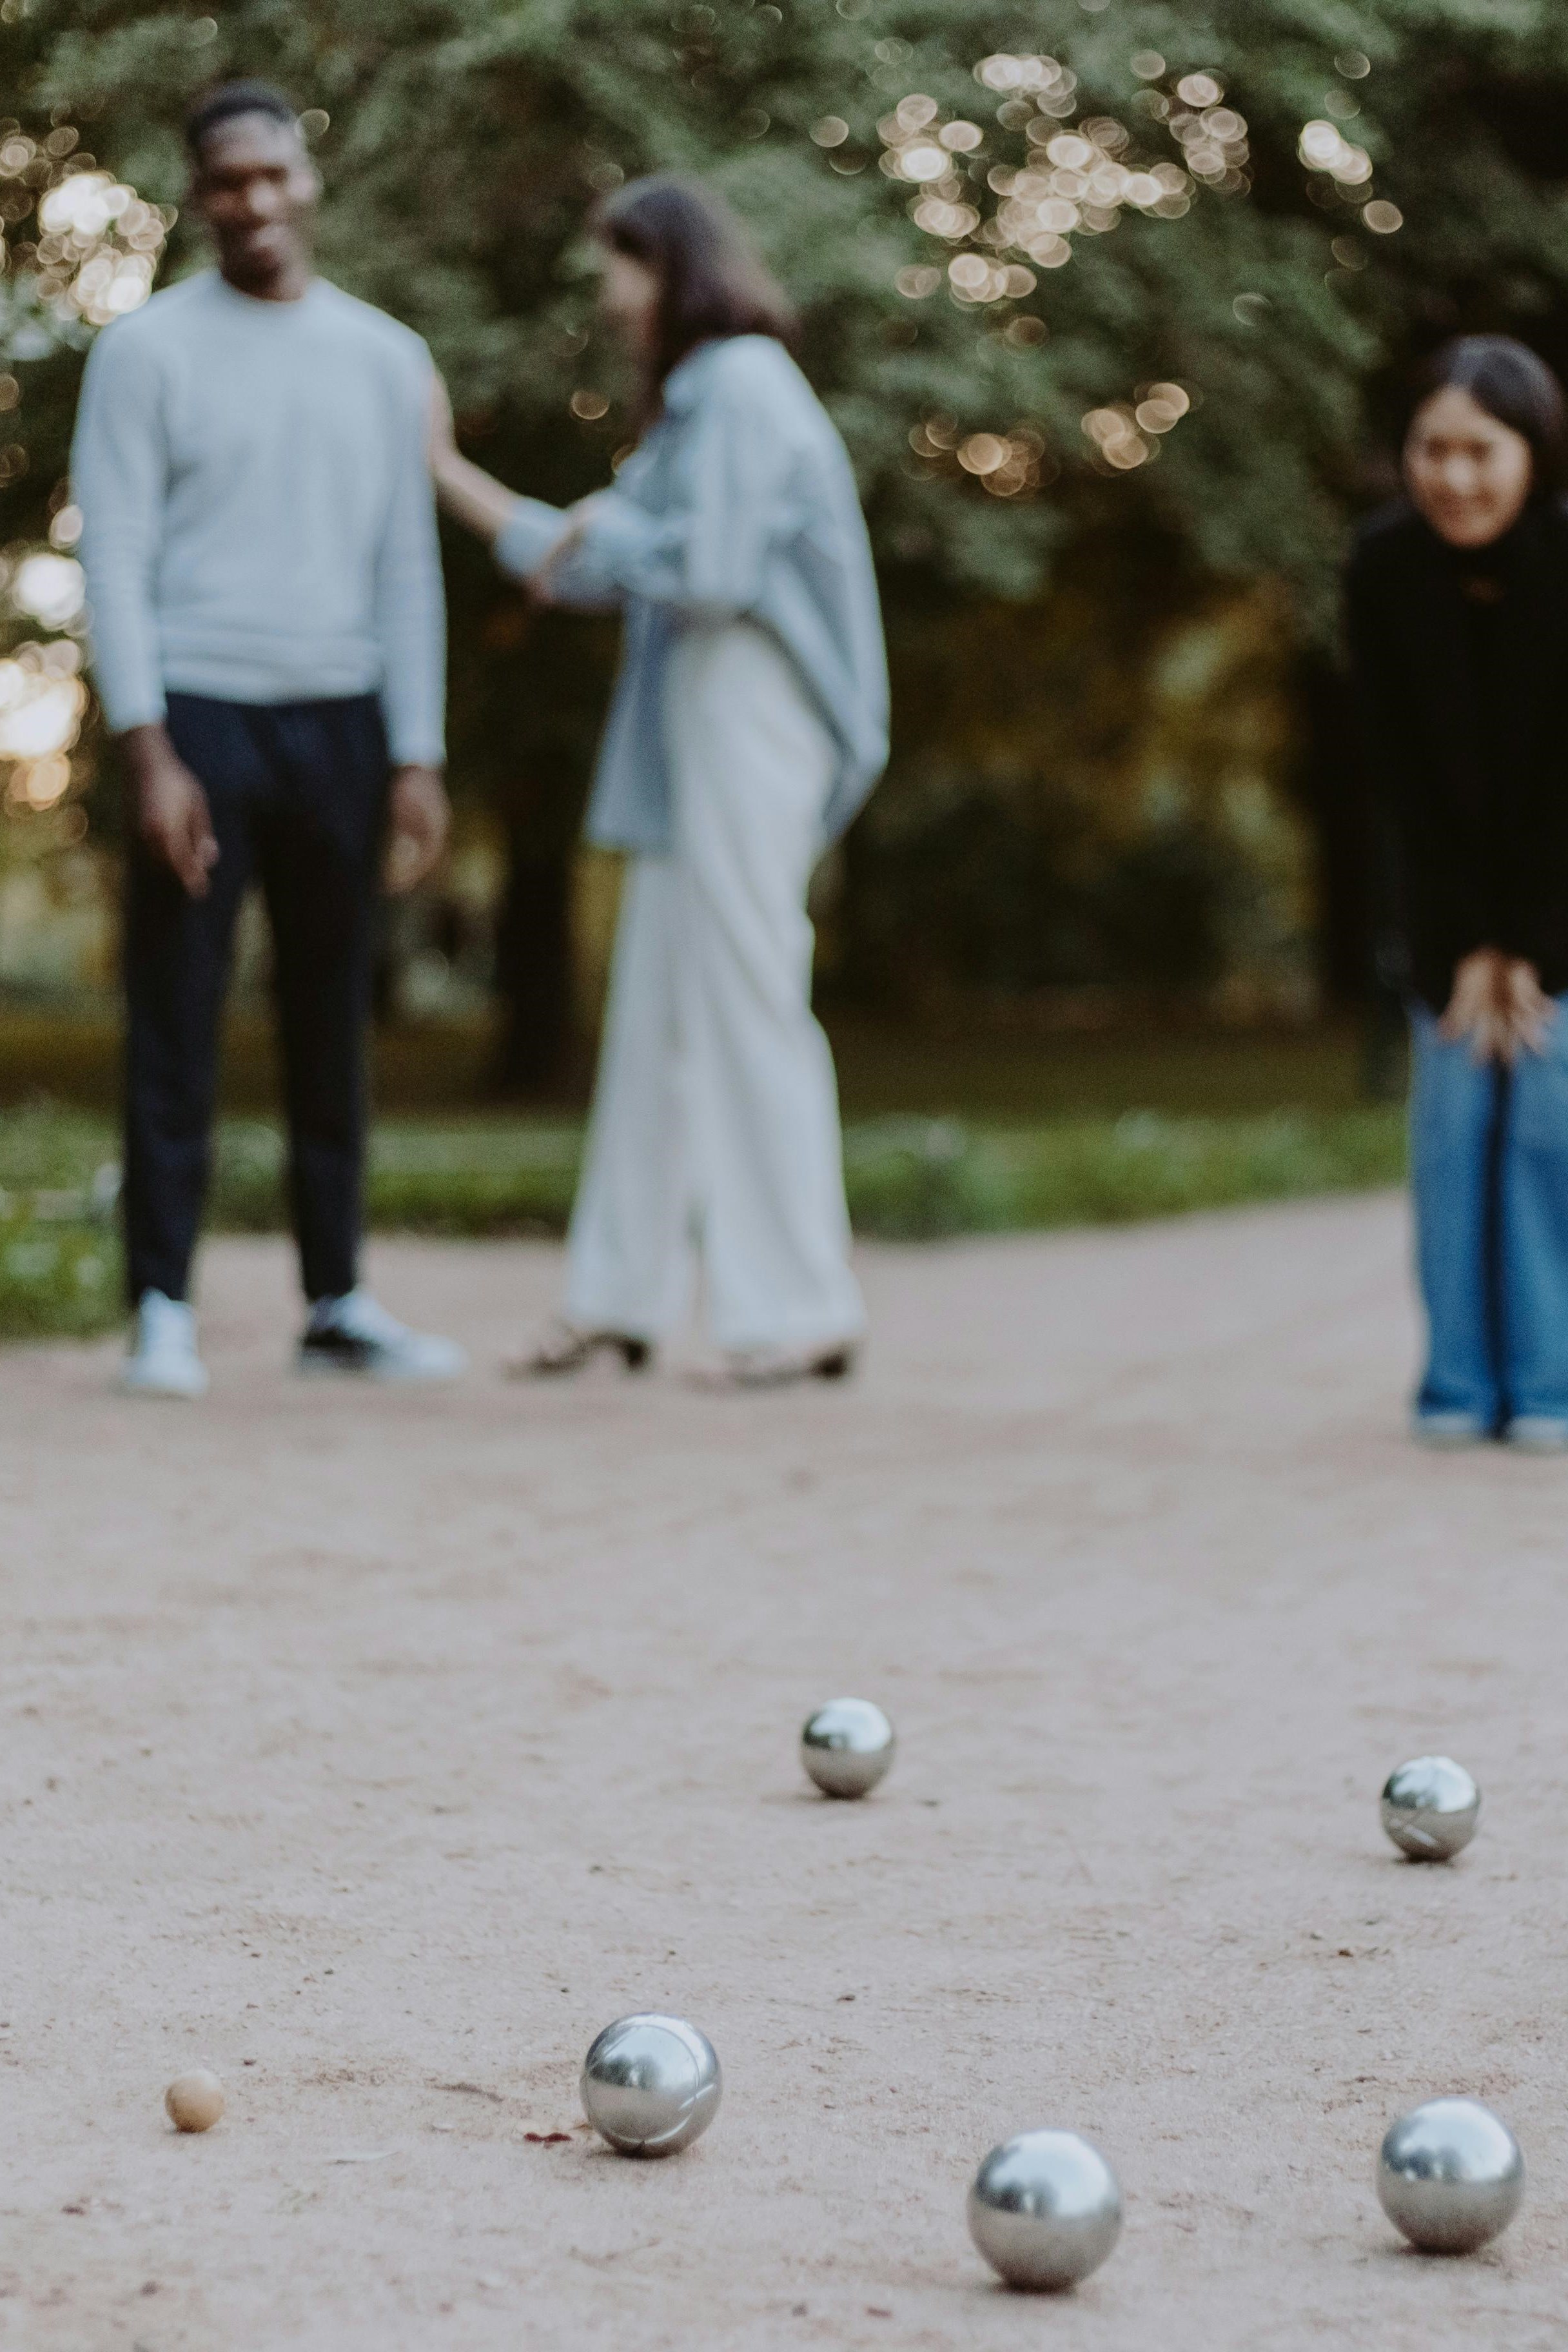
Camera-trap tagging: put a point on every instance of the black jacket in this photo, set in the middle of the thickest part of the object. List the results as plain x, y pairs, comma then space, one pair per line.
1460, 660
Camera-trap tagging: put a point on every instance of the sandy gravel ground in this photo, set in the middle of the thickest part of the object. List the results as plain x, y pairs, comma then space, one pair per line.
377, 1748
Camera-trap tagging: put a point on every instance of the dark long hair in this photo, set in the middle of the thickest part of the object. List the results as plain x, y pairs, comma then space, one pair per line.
711, 282
1513, 384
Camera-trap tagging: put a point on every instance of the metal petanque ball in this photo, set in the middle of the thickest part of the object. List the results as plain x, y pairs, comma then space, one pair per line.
650, 2085
1429, 1808
1451, 2175
1045, 2210
846, 1746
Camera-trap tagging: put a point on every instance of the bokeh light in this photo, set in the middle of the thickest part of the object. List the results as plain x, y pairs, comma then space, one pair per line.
1323, 147
99, 245
49, 588
1079, 177
1005, 465
43, 701
81, 248
1082, 177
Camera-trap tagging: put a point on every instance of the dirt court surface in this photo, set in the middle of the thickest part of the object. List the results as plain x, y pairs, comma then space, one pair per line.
376, 1748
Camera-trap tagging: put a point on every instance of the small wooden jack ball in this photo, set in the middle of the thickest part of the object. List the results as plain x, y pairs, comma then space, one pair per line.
195, 2102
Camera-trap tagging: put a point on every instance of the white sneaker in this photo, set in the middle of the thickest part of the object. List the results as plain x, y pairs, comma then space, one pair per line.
1448, 1433
163, 1359
355, 1334
1537, 1432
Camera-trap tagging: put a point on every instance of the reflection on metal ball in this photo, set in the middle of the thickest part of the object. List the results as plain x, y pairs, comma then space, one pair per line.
1045, 2210
846, 1746
1451, 2175
650, 2085
1429, 1808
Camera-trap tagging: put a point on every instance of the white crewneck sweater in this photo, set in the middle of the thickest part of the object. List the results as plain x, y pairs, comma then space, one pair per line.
259, 524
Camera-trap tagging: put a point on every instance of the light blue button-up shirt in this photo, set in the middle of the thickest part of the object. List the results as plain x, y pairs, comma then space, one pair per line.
738, 504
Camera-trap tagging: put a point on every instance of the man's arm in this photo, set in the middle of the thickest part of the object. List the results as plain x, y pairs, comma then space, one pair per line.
120, 464
120, 478
411, 627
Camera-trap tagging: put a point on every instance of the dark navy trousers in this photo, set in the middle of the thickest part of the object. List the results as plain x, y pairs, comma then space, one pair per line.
298, 793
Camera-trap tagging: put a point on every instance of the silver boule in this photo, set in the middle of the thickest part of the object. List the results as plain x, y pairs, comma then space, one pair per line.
1429, 1808
650, 2085
1045, 2210
1451, 2175
846, 1746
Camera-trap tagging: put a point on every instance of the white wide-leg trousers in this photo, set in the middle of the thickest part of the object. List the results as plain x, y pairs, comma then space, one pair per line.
715, 1120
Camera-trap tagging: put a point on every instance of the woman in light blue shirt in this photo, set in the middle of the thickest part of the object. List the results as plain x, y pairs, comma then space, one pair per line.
749, 724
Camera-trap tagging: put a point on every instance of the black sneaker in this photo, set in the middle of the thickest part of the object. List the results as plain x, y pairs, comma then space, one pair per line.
355, 1335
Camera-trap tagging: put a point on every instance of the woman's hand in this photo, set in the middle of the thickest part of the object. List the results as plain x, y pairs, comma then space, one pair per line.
1475, 1012
1500, 1006
576, 519
1530, 1012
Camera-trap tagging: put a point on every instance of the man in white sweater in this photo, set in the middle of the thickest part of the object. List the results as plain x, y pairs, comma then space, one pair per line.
268, 644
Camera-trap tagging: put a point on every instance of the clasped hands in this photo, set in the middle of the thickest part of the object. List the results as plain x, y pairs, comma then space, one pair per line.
1500, 1006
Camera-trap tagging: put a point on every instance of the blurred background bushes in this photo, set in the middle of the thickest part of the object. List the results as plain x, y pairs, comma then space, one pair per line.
1123, 797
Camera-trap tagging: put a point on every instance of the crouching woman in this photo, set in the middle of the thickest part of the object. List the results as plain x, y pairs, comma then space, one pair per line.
1458, 614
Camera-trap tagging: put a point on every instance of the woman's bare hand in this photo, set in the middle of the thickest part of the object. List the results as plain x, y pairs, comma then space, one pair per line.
1499, 1006
1477, 1011
576, 519
1530, 1011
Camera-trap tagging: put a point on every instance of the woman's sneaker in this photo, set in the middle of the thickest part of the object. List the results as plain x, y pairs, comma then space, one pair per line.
162, 1361
355, 1334
1537, 1432
1447, 1432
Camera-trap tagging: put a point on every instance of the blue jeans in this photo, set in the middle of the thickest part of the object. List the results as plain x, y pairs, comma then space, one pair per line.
1489, 1170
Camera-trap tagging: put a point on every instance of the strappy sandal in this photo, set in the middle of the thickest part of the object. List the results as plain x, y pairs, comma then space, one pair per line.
564, 1349
780, 1368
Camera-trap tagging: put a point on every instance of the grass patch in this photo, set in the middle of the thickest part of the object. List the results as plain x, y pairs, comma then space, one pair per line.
60, 1249
918, 1179
908, 1180
906, 1177
474, 1176
57, 1279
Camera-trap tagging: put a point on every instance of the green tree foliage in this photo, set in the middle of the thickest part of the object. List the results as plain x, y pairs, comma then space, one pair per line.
464, 141
466, 137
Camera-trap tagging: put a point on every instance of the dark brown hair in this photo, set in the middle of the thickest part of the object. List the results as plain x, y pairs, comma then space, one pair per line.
1513, 384
712, 281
